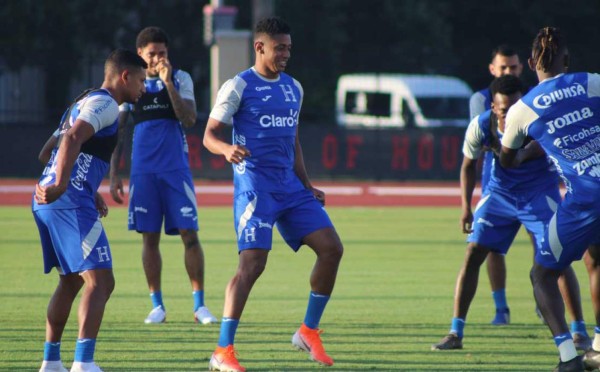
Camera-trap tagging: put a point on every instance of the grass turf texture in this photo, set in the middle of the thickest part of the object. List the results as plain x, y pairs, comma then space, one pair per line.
393, 299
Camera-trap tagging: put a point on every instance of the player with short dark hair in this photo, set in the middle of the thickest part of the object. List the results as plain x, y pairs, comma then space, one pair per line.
560, 114
65, 209
526, 196
271, 187
161, 185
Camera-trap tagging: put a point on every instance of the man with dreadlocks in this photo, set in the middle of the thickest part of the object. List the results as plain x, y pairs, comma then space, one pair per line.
525, 196
561, 115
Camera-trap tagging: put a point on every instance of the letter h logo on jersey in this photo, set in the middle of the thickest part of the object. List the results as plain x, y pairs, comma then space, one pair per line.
288, 92
250, 235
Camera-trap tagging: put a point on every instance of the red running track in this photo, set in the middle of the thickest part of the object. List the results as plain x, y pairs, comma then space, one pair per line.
211, 193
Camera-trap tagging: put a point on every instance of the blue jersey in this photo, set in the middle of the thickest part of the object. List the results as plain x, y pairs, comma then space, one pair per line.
101, 111
562, 114
159, 143
532, 176
264, 114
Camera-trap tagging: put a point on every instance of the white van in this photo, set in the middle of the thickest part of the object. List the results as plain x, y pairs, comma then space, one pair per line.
402, 101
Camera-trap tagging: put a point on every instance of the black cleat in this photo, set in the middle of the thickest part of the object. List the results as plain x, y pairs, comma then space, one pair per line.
591, 360
573, 365
450, 342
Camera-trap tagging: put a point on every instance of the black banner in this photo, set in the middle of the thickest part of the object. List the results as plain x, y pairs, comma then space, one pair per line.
329, 153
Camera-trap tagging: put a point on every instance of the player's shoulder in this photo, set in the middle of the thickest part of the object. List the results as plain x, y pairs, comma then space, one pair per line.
182, 75
99, 101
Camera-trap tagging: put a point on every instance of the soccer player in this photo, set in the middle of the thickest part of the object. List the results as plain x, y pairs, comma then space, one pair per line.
161, 186
64, 209
271, 188
525, 196
505, 61
561, 114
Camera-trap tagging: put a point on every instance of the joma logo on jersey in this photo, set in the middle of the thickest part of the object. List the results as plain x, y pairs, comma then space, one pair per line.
543, 101
267, 121
568, 119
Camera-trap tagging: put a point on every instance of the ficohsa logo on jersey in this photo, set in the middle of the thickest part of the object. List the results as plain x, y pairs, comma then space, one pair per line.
267, 121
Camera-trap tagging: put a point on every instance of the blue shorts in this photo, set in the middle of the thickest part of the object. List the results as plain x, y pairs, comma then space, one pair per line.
168, 195
568, 234
73, 240
498, 217
295, 214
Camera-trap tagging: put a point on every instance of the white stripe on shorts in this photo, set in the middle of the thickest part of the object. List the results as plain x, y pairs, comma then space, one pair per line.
246, 216
553, 240
190, 194
91, 239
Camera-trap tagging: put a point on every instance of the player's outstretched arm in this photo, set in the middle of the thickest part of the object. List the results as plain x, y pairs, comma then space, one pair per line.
467, 185
46, 151
300, 170
116, 184
212, 141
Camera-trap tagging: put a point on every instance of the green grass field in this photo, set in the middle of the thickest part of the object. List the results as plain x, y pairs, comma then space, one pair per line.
393, 299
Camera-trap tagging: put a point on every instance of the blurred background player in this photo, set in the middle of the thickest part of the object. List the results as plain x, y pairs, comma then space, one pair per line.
271, 188
561, 114
65, 209
526, 196
161, 186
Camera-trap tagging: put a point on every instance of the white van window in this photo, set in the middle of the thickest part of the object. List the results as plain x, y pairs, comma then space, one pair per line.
444, 107
366, 103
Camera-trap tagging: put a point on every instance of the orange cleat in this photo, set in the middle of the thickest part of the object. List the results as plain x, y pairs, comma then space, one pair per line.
309, 340
224, 359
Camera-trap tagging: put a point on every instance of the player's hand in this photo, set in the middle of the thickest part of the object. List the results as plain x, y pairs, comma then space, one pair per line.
466, 222
100, 205
164, 70
319, 195
236, 153
116, 189
48, 194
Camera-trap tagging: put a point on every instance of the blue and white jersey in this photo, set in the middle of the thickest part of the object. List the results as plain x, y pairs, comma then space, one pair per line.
101, 111
537, 174
563, 114
264, 114
159, 143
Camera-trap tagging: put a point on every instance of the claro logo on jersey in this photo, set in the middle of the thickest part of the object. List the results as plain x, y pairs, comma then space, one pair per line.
267, 121
543, 101
568, 119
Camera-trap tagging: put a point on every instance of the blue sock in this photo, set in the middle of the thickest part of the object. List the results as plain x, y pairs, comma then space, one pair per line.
578, 326
596, 329
198, 299
562, 338
156, 298
84, 350
228, 328
314, 311
500, 299
51, 351
457, 326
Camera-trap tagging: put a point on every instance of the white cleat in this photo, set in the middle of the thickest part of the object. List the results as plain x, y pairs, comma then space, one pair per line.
53, 366
203, 315
157, 315
85, 367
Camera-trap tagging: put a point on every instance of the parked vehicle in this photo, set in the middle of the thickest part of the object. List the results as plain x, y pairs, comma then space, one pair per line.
402, 101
